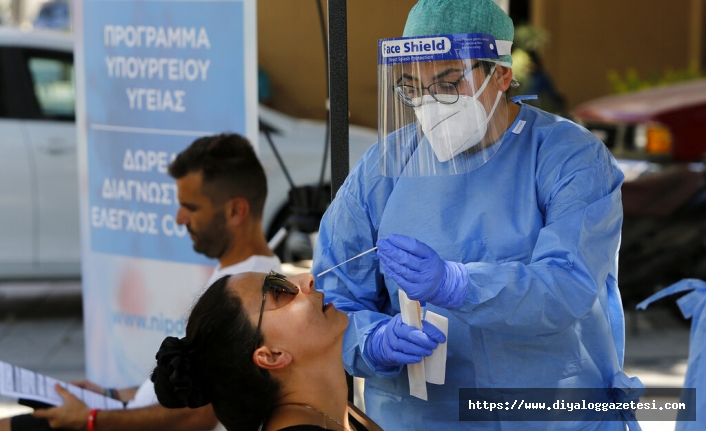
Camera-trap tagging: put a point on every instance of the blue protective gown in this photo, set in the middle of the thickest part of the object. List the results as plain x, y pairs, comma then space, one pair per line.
692, 306
538, 227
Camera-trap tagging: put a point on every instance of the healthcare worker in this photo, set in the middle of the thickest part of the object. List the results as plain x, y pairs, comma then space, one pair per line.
502, 217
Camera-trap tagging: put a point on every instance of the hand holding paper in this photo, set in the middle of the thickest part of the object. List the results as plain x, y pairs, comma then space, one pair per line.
432, 369
394, 343
72, 414
435, 365
17, 382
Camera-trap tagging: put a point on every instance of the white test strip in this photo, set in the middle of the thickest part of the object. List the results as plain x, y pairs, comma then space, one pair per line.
411, 315
435, 365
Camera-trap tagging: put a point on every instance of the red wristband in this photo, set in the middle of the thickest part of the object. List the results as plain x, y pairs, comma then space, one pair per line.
92, 420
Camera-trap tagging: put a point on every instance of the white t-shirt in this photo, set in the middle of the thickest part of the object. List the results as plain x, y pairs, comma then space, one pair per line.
252, 264
145, 395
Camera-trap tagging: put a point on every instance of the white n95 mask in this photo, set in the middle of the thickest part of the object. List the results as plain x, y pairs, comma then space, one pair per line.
452, 129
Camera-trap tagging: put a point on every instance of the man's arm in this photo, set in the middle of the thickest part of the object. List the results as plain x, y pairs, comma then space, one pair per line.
124, 395
73, 414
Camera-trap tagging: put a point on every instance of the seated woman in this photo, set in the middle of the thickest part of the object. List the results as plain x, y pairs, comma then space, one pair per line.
266, 352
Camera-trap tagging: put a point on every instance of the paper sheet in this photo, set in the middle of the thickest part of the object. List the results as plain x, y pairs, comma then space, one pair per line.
411, 315
435, 365
17, 382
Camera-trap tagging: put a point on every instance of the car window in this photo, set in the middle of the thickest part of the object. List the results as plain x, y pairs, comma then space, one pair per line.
53, 80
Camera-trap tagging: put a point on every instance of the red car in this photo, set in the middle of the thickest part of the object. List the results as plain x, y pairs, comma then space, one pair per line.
664, 124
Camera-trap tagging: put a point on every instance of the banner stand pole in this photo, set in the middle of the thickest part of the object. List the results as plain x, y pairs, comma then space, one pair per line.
338, 99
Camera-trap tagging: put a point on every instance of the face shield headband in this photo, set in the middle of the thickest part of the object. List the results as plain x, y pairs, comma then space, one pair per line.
434, 107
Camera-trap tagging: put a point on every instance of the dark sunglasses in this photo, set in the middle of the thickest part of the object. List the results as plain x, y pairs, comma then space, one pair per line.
278, 284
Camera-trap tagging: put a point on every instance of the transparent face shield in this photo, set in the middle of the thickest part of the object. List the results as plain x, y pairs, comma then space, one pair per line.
441, 109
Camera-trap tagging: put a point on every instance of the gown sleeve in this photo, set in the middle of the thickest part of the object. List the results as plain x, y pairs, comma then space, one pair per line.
348, 228
575, 256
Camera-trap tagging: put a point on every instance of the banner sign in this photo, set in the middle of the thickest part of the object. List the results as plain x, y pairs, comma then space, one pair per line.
152, 76
159, 74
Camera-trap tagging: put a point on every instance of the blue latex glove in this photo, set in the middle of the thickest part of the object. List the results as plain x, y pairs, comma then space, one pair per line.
393, 343
421, 273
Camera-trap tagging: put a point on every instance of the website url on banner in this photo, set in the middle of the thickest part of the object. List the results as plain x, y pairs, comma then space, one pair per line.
149, 323
576, 404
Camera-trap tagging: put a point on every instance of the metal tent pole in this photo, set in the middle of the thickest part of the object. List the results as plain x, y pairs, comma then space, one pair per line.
338, 92
338, 100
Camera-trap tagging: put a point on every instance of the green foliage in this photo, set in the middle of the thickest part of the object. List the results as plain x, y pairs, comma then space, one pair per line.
633, 82
530, 38
521, 64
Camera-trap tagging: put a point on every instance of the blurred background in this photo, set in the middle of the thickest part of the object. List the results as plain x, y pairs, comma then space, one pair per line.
589, 49
631, 71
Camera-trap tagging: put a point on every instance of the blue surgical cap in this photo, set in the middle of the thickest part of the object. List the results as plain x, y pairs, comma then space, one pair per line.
434, 17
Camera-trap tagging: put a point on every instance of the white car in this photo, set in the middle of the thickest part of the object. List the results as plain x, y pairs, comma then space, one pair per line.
39, 187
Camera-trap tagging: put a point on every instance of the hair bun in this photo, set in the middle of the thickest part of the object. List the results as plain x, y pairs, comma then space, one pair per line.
175, 373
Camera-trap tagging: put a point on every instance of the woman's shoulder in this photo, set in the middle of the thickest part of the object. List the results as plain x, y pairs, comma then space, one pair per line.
561, 144
366, 179
356, 425
550, 129
359, 420
305, 428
